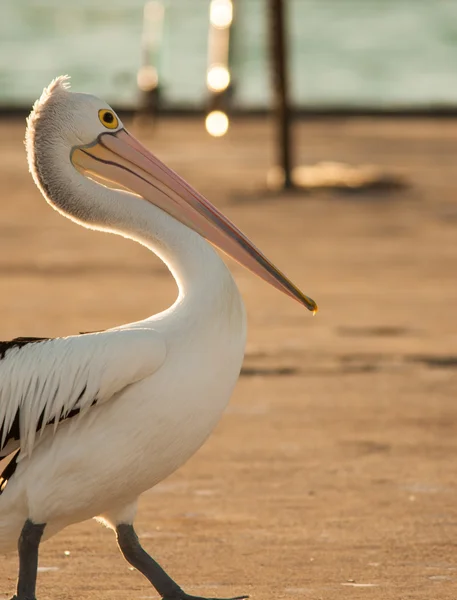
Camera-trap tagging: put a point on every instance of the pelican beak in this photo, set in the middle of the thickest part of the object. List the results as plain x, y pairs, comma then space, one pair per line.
120, 159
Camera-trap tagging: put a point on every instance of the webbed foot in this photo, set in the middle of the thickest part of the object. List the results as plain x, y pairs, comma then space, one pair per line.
184, 596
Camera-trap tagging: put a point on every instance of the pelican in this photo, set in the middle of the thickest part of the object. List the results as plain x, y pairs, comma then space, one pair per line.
90, 422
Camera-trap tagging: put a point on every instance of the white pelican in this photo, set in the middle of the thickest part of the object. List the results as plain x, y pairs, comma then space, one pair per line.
92, 421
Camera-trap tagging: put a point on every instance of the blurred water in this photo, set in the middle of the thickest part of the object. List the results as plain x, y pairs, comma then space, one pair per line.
343, 52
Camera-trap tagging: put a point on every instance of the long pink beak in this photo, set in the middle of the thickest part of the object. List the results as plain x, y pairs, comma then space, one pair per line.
119, 158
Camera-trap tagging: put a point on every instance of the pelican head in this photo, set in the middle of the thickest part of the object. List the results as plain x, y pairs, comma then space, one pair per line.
92, 136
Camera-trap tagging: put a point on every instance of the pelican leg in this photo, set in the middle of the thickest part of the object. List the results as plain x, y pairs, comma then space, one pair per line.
29, 542
140, 559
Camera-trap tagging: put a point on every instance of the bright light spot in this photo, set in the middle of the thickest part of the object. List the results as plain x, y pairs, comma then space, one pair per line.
147, 78
221, 13
217, 123
218, 78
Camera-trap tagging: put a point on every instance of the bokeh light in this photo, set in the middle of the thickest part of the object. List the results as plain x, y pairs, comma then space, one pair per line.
218, 78
221, 13
217, 123
147, 78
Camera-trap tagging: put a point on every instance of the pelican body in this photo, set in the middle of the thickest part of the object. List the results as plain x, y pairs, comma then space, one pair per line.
90, 422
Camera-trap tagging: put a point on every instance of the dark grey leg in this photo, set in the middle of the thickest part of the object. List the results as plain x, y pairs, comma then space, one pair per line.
140, 559
28, 545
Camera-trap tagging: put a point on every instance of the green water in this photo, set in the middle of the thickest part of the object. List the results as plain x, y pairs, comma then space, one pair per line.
343, 52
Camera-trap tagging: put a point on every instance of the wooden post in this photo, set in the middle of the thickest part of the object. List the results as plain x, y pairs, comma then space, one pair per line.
281, 102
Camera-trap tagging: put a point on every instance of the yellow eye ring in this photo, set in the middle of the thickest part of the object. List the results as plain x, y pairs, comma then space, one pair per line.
108, 118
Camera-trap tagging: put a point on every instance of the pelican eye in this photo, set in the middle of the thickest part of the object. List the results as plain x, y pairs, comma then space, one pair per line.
108, 118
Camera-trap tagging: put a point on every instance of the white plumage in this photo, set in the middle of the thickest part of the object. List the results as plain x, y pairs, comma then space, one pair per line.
45, 381
97, 419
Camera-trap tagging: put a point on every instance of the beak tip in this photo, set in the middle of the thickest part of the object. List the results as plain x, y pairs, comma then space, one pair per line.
311, 306
306, 301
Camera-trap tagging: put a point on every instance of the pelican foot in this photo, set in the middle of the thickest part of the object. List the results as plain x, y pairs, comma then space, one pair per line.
184, 596
28, 544
133, 553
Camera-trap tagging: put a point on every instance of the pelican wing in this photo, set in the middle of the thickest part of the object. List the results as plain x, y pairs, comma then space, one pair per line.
46, 381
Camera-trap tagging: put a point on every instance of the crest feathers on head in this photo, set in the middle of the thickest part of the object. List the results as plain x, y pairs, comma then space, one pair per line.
57, 86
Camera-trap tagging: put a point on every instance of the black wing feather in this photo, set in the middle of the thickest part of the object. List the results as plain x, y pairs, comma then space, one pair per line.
13, 434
